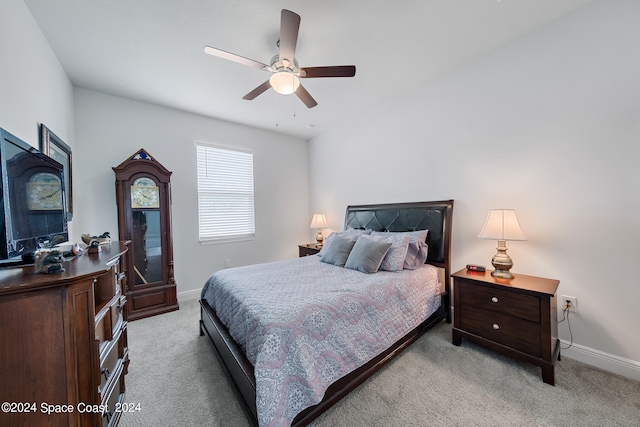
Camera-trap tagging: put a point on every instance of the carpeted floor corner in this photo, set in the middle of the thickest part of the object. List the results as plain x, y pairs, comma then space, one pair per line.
175, 377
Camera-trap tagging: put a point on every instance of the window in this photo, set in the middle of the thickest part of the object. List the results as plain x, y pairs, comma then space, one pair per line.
225, 194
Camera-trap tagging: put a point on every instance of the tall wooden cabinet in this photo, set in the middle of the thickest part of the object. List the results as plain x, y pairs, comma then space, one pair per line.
63, 342
143, 195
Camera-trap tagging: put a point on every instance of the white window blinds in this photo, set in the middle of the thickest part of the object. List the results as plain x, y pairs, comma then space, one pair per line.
225, 194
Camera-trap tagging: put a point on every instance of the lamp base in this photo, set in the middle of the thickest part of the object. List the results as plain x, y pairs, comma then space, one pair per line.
502, 274
502, 262
320, 238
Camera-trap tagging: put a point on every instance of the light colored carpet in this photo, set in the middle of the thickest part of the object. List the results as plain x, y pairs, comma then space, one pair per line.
175, 377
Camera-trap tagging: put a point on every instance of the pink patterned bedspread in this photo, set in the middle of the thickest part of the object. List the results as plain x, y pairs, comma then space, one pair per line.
305, 324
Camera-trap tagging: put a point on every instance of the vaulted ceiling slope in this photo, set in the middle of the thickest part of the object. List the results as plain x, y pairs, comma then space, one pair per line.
152, 50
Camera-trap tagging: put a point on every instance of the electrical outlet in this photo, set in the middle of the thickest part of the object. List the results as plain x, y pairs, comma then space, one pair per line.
227, 263
572, 300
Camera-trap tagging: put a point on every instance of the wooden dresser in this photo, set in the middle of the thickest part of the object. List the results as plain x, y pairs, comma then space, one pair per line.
63, 342
516, 317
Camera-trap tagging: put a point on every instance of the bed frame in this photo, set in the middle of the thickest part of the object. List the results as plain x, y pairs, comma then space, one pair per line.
433, 216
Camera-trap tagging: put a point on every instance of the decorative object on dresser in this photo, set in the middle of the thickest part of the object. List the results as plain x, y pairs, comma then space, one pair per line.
102, 239
515, 317
501, 225
308, 249
64, 342
319, 221
143, 195
48, 262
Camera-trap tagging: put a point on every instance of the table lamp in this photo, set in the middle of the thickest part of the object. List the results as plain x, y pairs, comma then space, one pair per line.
319, 221
502, 225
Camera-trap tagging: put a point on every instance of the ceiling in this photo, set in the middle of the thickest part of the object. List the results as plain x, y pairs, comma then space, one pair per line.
152, 50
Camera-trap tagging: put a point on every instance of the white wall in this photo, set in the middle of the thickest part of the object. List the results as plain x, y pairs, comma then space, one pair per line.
110, 129
549, 125
34, 88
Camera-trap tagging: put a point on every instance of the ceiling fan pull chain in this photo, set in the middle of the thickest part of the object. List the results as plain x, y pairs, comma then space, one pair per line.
293, 82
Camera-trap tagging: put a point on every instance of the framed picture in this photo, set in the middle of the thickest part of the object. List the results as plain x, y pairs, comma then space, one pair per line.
55, 148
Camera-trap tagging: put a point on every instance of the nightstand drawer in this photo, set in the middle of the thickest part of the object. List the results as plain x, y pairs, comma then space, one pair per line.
522, 306
504, 329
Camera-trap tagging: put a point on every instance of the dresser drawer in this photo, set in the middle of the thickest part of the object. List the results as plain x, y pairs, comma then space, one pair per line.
104, 329
110, 417
522, 306
112, 364
109, 320
511, 331
116, 313
109, 365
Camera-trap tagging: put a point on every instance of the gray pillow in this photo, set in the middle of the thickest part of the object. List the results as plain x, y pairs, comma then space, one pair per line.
338, 252
367, 255
350, 234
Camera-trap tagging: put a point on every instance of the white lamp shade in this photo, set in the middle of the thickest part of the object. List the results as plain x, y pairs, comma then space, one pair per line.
284, 82
318, 221
501, 224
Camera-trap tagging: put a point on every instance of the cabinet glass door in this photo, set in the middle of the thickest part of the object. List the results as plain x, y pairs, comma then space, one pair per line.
147, 246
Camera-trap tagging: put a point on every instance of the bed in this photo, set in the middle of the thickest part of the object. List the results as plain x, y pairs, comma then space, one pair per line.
251, 373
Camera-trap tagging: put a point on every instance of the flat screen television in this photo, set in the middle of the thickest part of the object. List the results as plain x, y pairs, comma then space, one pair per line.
33, 201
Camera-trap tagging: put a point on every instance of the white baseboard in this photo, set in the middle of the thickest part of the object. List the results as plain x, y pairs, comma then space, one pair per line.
189, 295
608, 362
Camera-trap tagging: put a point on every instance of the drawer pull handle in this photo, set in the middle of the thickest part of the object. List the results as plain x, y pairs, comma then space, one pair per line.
496, 326
494, 299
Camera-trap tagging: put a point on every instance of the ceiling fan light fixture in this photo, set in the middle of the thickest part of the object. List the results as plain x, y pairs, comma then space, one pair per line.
284, 82
286, 73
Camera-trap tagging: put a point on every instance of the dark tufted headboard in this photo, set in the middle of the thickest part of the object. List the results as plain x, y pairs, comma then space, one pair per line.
433, 216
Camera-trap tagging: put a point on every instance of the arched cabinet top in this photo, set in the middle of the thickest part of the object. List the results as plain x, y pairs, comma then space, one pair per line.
141, 162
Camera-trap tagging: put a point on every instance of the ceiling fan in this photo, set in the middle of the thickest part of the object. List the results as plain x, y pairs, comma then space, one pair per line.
286, 74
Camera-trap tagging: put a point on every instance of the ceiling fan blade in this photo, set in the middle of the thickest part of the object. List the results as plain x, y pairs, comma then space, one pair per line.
305, 97
235, 58
289, 26
257, 91
335, 71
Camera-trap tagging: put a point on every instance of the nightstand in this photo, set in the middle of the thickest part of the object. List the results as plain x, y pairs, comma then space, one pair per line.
309, 249
516, 317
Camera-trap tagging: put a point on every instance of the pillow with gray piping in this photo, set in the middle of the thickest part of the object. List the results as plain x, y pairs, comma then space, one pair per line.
367, 255
394, 259
338, 252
